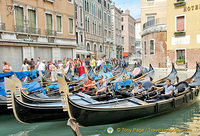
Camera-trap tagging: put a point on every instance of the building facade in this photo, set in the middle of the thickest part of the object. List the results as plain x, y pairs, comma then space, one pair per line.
183, 35
154, 32
31, 29
128, 36
107, 29
138, 42
81, 51
93, 27
117, 50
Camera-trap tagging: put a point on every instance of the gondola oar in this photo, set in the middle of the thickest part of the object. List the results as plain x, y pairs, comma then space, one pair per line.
64, 92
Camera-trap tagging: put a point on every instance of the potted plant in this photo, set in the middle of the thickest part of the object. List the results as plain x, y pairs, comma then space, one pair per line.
180, 3
180, 61
179, 33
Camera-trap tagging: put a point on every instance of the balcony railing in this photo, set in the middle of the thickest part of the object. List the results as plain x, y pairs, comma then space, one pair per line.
2, 26
154, 22
34, 30
20, 29
50, 32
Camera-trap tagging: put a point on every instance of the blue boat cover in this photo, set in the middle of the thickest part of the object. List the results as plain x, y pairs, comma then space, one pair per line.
80, 78
31, 74
122, 85
130, 74
104, 66
2, 89
33, 86
2, 75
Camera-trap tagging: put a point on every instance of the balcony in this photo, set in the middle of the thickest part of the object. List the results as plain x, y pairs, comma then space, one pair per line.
34, 30
51, 32
156, 25
2, 26
21, 29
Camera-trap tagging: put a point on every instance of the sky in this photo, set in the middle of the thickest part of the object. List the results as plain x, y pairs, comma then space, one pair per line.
132, 5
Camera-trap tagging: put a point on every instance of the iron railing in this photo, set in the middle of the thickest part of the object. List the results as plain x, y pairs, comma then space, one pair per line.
50, 32
154, 22
19, 28
33, 30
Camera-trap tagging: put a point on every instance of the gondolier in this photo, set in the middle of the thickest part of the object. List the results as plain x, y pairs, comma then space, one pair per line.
168, 90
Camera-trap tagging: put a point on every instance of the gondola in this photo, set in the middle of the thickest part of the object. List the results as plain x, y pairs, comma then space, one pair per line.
195, 79
172, 76
3, 105
30, 113
89, 112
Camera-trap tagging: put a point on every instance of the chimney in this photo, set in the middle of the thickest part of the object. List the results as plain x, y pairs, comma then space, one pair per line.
127, 11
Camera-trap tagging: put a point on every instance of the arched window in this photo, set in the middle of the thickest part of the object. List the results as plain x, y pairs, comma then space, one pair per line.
101, 48
88, 47
95, 47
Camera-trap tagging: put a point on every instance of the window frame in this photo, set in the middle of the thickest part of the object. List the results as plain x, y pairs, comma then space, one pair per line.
73, 26
153, 46
184, 22
32, 8
21, 6
48, 12
72, 1
61, 24
145, 49
176, 53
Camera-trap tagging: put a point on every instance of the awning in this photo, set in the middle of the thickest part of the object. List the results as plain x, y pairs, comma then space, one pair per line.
84, 52
81, 52
125, 54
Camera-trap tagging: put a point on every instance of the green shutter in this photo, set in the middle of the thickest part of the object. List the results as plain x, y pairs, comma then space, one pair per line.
71, 29
19, 19
32, 18
49, 22
58, 23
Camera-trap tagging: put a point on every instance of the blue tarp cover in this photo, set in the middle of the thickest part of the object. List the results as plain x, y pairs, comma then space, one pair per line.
31, 74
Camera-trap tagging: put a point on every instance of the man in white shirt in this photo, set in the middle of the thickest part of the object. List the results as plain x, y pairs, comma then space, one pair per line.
42, 66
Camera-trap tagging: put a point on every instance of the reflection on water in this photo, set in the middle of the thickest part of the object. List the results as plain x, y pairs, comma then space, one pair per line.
187, 120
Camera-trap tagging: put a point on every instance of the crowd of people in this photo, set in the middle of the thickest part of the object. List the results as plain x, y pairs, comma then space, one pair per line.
65, 64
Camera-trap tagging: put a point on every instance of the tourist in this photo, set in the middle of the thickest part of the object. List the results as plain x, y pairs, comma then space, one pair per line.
38, 63
168, 90
32, 64
72, 66
42, 66
56, 63
53, 72
64, 62
60, 65
25, 66
98, 64
93, 63
87, 61
6, 67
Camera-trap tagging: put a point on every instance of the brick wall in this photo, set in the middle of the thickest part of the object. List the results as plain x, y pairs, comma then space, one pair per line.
192, 56
159, 59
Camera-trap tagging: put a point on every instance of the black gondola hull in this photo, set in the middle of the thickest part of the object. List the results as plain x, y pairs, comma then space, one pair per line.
87, 116
29, 113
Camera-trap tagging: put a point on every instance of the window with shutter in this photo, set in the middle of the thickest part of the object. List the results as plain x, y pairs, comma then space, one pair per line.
180, 23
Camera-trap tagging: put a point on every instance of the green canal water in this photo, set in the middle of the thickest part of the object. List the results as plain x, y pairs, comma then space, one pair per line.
181, 122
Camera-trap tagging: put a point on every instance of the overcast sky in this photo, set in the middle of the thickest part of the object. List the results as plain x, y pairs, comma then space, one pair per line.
132, 5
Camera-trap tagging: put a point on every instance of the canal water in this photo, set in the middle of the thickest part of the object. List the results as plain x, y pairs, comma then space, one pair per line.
181, 122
